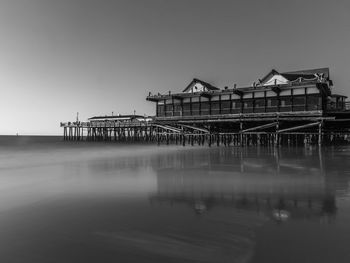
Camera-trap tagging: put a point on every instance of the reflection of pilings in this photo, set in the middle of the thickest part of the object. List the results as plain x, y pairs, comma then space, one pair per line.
277, 159
320, 158
324, 205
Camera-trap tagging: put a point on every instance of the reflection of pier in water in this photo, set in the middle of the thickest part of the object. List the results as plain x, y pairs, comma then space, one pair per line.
292, 185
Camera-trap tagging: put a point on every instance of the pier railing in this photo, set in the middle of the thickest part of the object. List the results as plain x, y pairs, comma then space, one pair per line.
103, 124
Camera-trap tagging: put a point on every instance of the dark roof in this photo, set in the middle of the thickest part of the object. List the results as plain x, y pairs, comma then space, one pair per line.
205, 84
312, 72
116, 117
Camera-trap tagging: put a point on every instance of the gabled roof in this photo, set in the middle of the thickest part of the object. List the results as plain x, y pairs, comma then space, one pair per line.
272, 78
205, 84
294, 75
269, 75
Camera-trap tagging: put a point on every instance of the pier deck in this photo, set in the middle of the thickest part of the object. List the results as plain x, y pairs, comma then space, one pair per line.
231, 129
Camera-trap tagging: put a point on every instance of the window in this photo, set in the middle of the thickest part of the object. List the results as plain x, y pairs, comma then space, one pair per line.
259, 103
299, 100
205, 105
248, 104
195, 108
215, 105
269, 103
225, 106
169, 107
314, 102
236, 106
160, 110
186, 110
286, 101
205, 108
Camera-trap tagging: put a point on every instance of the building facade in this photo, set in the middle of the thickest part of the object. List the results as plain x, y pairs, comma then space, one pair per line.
298, 91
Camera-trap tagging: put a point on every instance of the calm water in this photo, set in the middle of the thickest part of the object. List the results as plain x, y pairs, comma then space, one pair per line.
97, 202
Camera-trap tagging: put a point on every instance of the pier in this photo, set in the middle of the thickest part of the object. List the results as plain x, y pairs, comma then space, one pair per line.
292, 108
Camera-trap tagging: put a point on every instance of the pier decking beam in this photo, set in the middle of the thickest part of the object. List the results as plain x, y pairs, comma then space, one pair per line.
195, 128
269, 125
299, 127
167, 128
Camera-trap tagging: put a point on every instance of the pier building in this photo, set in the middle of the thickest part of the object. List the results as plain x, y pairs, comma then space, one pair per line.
297, 107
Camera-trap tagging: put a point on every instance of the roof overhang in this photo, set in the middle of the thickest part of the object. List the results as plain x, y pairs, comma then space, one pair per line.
276, 89
237, 92
206, 94
154, 98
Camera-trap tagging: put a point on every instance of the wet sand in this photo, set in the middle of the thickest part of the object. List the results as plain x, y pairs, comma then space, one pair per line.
98, 202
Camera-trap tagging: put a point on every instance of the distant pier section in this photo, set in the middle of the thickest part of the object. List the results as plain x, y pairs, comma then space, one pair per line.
291, 108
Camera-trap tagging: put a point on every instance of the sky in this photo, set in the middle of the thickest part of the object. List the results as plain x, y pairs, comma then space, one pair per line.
95, 57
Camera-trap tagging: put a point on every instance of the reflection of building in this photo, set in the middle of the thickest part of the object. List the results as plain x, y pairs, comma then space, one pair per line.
296, 187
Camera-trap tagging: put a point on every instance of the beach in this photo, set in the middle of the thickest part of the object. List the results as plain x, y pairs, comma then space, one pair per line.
114, 202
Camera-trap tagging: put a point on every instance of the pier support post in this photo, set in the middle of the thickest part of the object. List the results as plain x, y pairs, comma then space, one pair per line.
320, 133
241, 133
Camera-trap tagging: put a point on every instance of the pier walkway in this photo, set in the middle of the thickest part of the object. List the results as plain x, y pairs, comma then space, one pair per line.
234, 129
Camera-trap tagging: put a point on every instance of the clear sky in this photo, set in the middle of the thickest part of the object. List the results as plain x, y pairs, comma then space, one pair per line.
59, 57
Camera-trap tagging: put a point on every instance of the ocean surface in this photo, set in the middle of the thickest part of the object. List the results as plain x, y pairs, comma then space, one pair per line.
112, 202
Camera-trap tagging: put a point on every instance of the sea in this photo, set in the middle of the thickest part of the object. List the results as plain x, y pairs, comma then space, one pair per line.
65, 202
